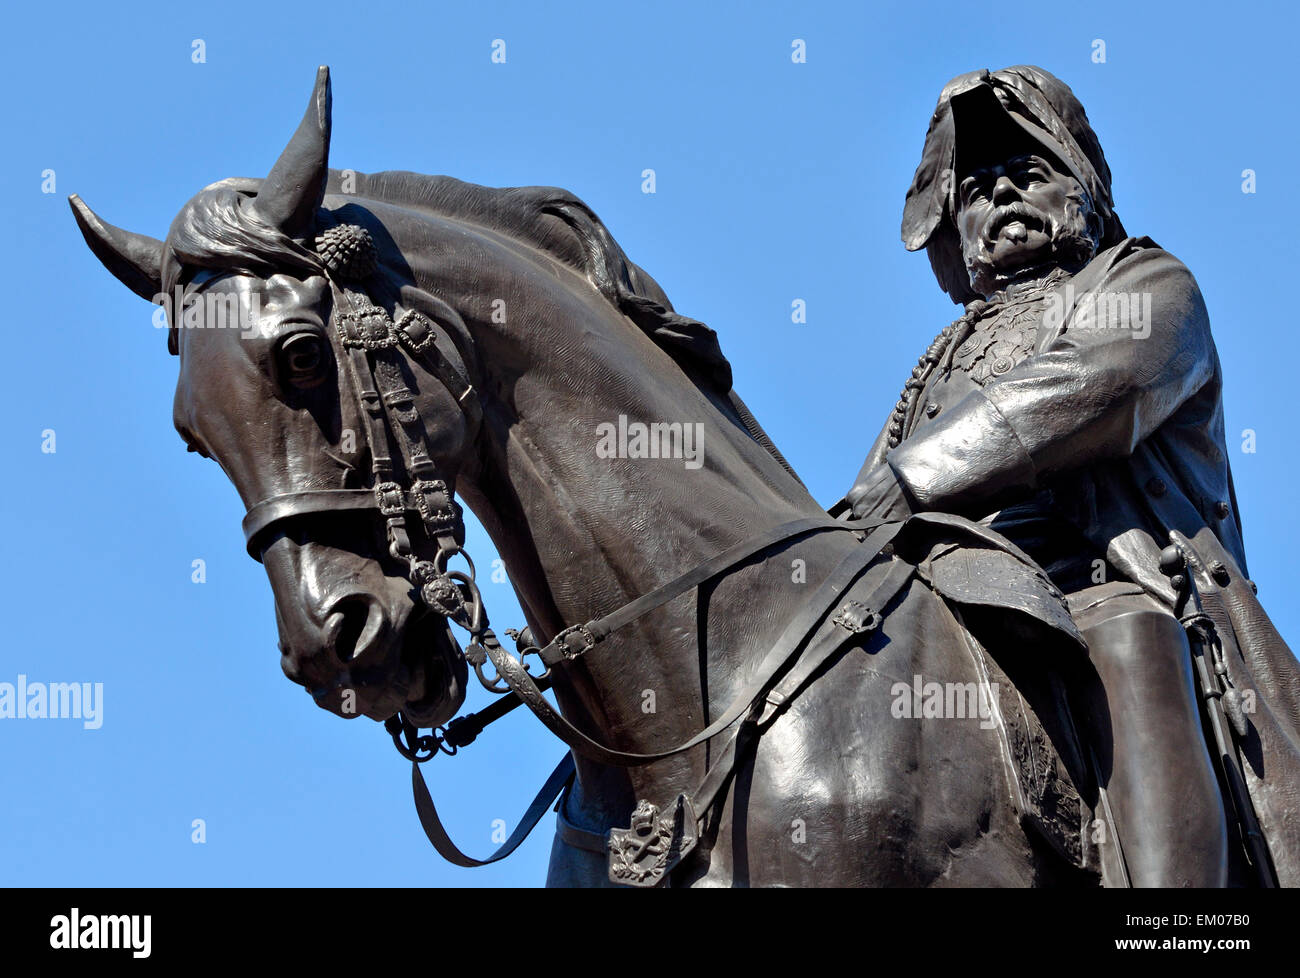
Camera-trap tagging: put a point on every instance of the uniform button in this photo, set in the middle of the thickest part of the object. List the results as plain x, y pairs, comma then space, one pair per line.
931, 409
1156, 487
1222, 509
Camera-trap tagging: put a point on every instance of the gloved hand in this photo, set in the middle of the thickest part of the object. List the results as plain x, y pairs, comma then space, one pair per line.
879, 493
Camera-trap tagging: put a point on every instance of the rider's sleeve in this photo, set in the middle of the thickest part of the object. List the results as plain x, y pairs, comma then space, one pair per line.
1091, 394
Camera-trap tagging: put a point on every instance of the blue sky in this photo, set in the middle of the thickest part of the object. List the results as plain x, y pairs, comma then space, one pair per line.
775, 181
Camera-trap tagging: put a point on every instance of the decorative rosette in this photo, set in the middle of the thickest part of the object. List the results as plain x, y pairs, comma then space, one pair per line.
348, 251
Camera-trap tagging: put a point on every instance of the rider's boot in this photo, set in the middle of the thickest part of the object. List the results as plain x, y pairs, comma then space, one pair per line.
1144, 724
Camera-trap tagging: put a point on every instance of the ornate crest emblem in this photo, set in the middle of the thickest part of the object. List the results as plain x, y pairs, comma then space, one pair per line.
645, 853
999, 343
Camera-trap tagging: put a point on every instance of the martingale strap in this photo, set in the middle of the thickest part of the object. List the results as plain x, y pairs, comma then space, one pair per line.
828, 640
524, 690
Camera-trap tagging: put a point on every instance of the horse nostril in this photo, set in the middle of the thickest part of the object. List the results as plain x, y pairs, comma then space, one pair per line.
346, 628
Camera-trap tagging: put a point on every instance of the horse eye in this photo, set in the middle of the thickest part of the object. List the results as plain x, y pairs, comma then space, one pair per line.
302, 358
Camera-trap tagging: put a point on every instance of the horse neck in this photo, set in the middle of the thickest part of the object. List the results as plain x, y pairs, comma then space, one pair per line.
582, 534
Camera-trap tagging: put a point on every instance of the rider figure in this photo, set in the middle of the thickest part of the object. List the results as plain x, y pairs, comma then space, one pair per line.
1076, 408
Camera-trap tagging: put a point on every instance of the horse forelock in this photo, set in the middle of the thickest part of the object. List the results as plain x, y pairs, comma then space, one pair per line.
216, 230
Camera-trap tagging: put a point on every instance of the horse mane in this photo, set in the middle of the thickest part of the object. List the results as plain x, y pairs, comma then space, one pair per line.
558, 223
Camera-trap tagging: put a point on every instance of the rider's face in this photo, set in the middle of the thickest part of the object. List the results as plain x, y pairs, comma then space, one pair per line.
1007, 212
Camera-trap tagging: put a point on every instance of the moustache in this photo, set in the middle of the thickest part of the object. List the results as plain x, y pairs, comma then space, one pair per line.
1015, 211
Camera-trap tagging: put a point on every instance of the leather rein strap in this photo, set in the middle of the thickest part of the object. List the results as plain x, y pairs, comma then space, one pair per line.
791, 639
758, 702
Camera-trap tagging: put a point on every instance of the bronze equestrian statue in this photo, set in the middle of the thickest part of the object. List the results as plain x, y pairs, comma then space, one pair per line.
925, 692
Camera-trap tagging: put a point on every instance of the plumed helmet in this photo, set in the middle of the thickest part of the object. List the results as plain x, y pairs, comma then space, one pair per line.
983, 113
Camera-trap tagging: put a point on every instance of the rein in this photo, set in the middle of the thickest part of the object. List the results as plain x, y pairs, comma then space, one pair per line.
375, 347
657, 841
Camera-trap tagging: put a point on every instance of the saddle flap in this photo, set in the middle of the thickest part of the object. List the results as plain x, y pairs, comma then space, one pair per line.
977, 571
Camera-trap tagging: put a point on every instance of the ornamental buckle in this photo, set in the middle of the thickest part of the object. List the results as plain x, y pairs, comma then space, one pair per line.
560, 650
434, 504
416, 330
657, 842
857, 618
367, 329
391, 499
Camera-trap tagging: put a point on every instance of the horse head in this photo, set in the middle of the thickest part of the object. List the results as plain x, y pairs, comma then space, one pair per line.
267, 389
391, 339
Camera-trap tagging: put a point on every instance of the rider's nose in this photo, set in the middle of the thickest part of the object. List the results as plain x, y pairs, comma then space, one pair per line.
1005, 191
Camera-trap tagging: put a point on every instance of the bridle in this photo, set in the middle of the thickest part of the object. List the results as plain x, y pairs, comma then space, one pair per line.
375, 346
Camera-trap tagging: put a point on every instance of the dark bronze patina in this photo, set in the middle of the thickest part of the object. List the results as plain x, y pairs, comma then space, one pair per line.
379, 383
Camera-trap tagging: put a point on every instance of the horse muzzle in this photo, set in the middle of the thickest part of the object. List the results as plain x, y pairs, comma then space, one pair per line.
359, 640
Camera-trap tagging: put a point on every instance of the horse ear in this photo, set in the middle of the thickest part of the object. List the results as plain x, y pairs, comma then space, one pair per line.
295, 187
135, 259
